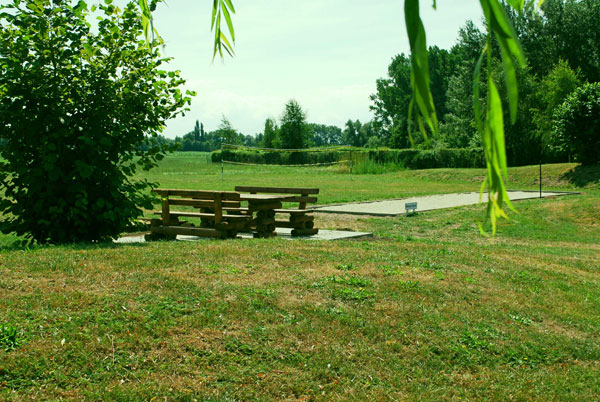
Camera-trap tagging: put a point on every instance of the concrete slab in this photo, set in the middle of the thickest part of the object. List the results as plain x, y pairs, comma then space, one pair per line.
425, 203
282, 233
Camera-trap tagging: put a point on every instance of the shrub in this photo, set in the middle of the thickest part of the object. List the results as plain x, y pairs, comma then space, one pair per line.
396, 158
76, 108
577, 124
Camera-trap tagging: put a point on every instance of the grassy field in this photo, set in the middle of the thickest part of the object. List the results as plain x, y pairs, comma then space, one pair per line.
191, 170
427, 309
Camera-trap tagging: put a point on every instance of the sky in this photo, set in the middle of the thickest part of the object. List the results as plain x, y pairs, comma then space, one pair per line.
325, 54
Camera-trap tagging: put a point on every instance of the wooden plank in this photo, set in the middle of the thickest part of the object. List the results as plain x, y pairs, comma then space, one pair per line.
265, 197
207, 216
304, 232
232, 209
279, 190
285, 224
293, 211
187, 231
294, 225
265, 206
198, 203
301, 218
302, 200
225, 195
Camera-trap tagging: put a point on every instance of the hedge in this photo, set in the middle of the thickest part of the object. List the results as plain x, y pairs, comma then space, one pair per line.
409, 158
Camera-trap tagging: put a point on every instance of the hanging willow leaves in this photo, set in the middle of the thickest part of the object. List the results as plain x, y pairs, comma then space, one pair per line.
422, 97
491, 128
147, 21
221, 9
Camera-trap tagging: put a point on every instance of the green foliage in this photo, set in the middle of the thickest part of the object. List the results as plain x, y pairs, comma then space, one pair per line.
77, 107
270, 134
553, 90
9, 337
325, 135
293, 133
568, 29
227, 133
365, 159
577, 123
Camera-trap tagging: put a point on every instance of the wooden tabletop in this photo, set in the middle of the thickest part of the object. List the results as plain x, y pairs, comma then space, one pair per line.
266, 197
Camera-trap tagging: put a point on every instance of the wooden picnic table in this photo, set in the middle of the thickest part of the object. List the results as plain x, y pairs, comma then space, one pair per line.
264, 205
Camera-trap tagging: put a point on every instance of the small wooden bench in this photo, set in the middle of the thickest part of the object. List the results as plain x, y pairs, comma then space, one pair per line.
301, 220
212, 205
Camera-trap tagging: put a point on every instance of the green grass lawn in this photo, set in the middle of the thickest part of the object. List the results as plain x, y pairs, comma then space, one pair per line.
427, 309
190, 170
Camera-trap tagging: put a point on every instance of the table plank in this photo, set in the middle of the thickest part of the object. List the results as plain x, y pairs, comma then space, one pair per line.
265, 197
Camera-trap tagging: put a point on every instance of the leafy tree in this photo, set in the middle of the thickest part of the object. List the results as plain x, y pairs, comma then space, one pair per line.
270, 134
571, 29
577, 124
76, 108
553, 90
227, 133
352, 133
458, 128
293, 132
391, 102
325, 135
197, 131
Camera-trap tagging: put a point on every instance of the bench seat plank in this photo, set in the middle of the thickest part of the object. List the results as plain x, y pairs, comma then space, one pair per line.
292, 211
205, 215
202, 194
198, 203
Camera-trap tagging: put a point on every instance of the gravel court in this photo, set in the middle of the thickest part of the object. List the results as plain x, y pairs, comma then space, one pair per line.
426, 203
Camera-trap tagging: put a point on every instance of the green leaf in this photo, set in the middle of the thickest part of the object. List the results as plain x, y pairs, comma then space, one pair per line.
516, 4
214, 13
420, 65
510, 48
229, 23
230, 5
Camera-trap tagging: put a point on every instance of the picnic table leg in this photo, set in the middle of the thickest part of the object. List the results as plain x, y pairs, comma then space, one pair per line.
264, 222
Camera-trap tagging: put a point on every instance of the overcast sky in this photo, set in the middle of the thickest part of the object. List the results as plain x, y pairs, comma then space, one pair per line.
326, 54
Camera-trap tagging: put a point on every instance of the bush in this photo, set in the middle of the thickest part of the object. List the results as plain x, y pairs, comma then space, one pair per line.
577, 124
76, 108
401, 158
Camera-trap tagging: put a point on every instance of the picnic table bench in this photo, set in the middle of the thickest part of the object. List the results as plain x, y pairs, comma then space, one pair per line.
301, 220
215, 222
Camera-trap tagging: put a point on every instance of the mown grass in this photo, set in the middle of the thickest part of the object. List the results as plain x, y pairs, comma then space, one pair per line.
190, 170
427, 309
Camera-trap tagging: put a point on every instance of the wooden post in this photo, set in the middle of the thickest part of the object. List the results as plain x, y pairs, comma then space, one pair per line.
302, 205
166, 218
351, 164
222, 163
218, 209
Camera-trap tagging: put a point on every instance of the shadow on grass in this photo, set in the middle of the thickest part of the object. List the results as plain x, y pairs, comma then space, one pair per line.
582, 176
22, 244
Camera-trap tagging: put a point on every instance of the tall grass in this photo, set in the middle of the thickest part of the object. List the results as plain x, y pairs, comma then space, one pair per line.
369, 166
